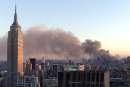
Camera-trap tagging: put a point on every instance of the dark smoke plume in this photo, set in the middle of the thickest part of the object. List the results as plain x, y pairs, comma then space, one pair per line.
93, 48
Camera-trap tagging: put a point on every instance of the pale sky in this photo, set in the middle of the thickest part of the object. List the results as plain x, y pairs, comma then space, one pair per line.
107, 21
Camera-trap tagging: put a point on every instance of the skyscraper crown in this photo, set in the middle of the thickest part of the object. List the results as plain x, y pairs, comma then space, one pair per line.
15, 22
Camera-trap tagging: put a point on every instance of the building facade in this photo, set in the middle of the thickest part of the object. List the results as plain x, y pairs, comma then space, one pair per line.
88, 78
14, 51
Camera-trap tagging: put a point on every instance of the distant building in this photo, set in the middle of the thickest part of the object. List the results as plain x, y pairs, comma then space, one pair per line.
119, 78
30, 67
51, 70
74, 67
51, 83
33, 73
28, 81
14, 51
3, 82
88, 78
33, 63
3, 79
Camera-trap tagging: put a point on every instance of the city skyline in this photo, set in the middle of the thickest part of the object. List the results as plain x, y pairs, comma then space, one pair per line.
105, 21
65, 44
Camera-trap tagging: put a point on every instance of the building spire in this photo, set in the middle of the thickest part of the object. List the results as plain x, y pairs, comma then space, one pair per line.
15, 22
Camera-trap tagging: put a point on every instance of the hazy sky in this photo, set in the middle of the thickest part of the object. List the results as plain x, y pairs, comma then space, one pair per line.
105, 20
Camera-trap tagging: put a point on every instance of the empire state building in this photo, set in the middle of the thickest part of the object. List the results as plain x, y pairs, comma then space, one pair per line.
14, 51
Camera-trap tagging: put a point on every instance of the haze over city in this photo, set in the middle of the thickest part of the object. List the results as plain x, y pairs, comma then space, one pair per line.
107, 21
65, 43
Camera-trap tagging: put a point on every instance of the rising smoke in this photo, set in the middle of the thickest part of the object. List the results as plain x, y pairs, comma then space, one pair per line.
3, 47
51, 42
93, 48
43, 41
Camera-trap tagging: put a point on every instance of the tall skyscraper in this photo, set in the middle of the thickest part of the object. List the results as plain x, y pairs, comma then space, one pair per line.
14, 51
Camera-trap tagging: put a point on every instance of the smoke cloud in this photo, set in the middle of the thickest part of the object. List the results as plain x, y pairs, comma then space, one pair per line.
42, 41
3, 48
51, 42
93, 48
